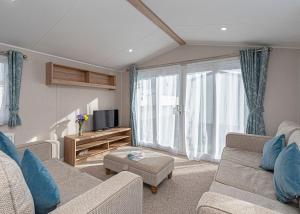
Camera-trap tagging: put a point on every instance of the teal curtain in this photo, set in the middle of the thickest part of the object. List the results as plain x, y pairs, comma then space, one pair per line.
15, 65
133, 87
254, 64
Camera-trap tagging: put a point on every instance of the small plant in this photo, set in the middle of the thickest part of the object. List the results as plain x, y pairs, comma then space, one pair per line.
81, 118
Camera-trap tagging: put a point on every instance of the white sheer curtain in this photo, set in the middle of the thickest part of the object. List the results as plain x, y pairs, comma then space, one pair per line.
213, 97
4, 99
157, 101
214, 105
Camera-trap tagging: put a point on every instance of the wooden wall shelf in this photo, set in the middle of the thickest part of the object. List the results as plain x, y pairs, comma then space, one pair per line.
64, 75
78, 148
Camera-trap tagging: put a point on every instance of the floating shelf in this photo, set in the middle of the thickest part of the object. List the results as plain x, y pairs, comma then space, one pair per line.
64, 75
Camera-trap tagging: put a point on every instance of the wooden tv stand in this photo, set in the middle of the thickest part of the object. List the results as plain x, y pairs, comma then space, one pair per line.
77, 148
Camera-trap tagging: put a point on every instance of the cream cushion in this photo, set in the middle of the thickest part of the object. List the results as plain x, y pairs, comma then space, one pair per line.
252, 198
242, 157
287, 128
15, 196
71, 182
246, 178
295, 137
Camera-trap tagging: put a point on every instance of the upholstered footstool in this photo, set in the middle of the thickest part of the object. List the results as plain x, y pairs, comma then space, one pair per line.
154, 167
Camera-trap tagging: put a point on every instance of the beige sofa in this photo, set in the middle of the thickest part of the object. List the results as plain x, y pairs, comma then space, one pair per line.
82, 193
240, 185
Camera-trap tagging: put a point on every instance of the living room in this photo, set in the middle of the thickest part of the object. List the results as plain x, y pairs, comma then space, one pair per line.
131, 106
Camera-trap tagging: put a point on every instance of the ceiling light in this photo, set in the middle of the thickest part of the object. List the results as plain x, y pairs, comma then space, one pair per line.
130, 50
223, 28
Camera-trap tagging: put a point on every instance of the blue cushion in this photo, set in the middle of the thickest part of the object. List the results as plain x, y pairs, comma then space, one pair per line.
287, 174
9, 148
43, 188
271, 150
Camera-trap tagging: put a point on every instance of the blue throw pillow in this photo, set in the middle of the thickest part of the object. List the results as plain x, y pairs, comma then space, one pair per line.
9, 148
42, 186
287, 174
271, 150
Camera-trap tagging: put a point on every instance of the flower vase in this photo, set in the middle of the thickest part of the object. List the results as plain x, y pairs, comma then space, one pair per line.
80, 130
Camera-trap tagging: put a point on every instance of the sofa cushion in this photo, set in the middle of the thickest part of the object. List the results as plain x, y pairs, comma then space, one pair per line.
15, 196
246, 178
60, 171
287, 174
271, 150
287, 128
253, 198
242, 157
9, 148
295, 138
75, 186
70, 180
42, 186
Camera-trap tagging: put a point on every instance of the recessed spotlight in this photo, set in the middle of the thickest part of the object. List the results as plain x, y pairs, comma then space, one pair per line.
223, 28
130, 50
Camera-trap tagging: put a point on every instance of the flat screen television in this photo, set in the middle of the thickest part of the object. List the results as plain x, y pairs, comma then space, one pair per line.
105, 119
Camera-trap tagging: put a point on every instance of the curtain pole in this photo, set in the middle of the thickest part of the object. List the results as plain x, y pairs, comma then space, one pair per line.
5, 53
193, 60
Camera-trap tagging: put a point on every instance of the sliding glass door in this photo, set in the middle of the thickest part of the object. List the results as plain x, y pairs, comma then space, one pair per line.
215, 104
189, 108
158, 114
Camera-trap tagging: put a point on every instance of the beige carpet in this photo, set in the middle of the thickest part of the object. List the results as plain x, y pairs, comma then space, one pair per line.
179, 195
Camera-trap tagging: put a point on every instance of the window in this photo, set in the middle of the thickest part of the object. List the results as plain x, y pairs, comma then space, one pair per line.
189, 109
4, 99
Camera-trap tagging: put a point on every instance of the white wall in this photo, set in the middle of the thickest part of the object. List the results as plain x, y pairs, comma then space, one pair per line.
48, 112
282, 100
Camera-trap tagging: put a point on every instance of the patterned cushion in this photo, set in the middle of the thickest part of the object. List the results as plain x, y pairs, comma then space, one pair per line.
15, 196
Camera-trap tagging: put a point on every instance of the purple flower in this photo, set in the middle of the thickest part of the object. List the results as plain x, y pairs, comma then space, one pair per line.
80, 117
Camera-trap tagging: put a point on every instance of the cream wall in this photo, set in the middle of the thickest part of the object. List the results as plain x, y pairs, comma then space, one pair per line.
282, 100
48, 112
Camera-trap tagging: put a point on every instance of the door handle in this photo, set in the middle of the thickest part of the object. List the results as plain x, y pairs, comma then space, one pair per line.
179, 109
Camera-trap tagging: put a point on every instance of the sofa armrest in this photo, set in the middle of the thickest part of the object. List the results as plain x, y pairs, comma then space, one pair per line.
249, 142
45, 150
216, 203
122, 194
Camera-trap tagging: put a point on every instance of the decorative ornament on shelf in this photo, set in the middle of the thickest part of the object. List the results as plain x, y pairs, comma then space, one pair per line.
81, 118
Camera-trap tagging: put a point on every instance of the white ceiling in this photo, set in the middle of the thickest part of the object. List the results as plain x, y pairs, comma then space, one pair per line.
101, 32
271, 22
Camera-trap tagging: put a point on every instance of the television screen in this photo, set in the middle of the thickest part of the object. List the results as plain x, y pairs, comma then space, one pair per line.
105, 119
